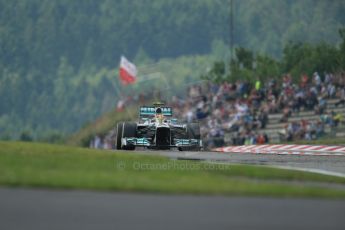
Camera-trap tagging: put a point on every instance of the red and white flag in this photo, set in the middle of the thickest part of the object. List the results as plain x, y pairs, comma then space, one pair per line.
128, 71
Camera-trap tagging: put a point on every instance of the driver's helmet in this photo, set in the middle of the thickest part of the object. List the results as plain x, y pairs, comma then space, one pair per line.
159, 115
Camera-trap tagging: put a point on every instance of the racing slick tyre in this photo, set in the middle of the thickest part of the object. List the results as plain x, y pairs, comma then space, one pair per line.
129, 129
193, 132
118, 135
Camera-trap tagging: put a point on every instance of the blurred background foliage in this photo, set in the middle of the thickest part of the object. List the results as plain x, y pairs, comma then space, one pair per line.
59, 58
297, 59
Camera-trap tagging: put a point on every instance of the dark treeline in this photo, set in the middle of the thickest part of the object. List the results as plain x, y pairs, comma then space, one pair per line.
48, 47
37, 33
298, 59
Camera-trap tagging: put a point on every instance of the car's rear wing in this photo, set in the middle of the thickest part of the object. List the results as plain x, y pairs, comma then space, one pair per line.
151, 111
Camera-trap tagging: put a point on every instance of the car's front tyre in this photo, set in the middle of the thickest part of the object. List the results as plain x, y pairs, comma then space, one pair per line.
129, 129
118, 135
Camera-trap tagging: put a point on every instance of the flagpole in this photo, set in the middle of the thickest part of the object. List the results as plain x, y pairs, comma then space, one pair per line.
119, 95
167, 85
231, 28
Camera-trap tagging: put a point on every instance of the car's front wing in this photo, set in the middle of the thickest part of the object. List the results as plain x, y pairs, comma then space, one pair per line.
144, 142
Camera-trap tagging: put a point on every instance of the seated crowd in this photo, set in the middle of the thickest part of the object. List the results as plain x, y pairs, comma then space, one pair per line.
241, 109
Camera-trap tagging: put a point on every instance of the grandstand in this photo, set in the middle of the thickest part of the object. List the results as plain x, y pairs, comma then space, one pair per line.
275, 126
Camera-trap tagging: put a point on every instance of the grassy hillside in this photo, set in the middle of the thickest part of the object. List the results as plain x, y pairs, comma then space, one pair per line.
54, 166
100, 126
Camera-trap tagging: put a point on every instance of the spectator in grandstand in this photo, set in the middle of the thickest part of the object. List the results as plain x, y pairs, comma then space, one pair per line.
263, 118
310, 131
298, 101
286, 114
331, 90
215, 135
341, 95
97, 142
304, 81
337, 118
321, 106
120, 105
320, 129
201, 113
271, 102
317, 80
311, 99
327, 119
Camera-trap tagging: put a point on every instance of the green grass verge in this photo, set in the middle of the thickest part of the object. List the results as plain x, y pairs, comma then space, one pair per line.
54, 166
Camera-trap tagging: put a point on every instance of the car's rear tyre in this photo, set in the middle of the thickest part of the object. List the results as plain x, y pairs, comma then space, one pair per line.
193, 132
118, 135
129, 129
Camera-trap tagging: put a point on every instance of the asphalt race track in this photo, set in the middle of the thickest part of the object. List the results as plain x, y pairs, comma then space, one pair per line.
47, 209
325, 164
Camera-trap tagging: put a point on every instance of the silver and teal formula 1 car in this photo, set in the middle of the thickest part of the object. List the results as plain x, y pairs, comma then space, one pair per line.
156, 129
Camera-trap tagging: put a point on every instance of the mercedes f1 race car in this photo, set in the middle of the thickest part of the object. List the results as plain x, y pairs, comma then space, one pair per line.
156, 129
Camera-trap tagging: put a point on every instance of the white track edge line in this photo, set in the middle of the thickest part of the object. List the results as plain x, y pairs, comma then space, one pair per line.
319, 171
